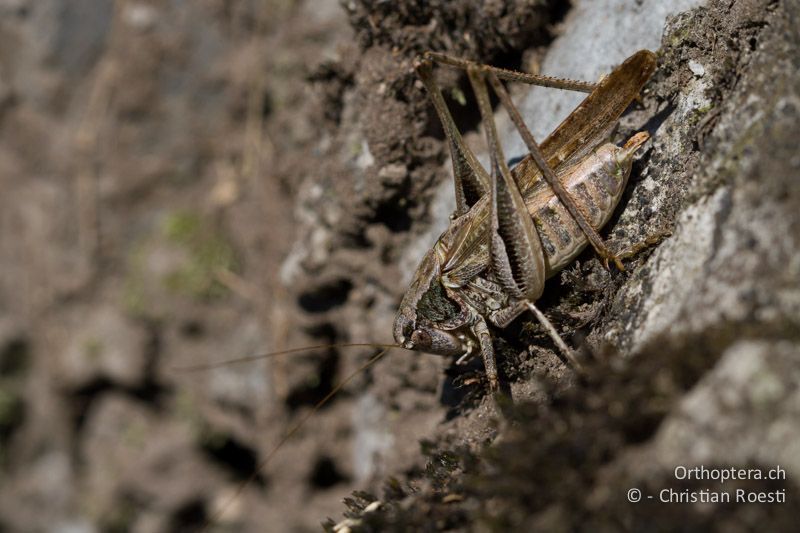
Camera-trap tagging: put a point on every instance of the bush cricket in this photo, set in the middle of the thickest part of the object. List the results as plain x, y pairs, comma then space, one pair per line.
512, 228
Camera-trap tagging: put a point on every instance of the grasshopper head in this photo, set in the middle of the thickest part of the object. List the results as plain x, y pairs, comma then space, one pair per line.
427, 316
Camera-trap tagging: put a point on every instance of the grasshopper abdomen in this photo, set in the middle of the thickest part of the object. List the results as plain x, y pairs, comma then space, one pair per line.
597, 184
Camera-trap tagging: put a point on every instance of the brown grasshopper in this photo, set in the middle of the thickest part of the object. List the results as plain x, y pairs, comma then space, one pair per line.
513, 229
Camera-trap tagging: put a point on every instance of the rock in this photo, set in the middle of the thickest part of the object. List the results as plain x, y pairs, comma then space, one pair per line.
696, 68
744, 411
597, 36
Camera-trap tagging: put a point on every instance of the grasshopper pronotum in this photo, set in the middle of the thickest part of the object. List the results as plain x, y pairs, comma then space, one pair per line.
512, 228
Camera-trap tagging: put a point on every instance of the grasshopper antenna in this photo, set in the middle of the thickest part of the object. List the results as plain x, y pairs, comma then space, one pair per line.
294, 429
258, 357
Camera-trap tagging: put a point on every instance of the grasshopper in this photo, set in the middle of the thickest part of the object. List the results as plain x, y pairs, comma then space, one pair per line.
514, 228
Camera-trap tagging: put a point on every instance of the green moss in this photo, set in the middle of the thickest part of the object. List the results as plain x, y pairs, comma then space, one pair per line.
678, 37
183, 255
12, 412
185, 409
207, 254
14, 357
697, 114
135, 435
203, 433
210, 438
356, 148
120, 517
766, 390
184, 406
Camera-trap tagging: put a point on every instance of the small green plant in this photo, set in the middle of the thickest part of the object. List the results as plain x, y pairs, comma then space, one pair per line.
207, 253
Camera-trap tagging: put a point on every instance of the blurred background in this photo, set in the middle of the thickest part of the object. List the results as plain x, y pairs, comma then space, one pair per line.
149, 154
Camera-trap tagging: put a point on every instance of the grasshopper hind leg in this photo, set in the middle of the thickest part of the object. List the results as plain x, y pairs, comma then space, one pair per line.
513, 75
517, 256
471, 180
564, 197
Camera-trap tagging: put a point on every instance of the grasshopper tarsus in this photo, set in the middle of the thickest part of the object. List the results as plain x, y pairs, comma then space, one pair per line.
648, 242
614, 258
